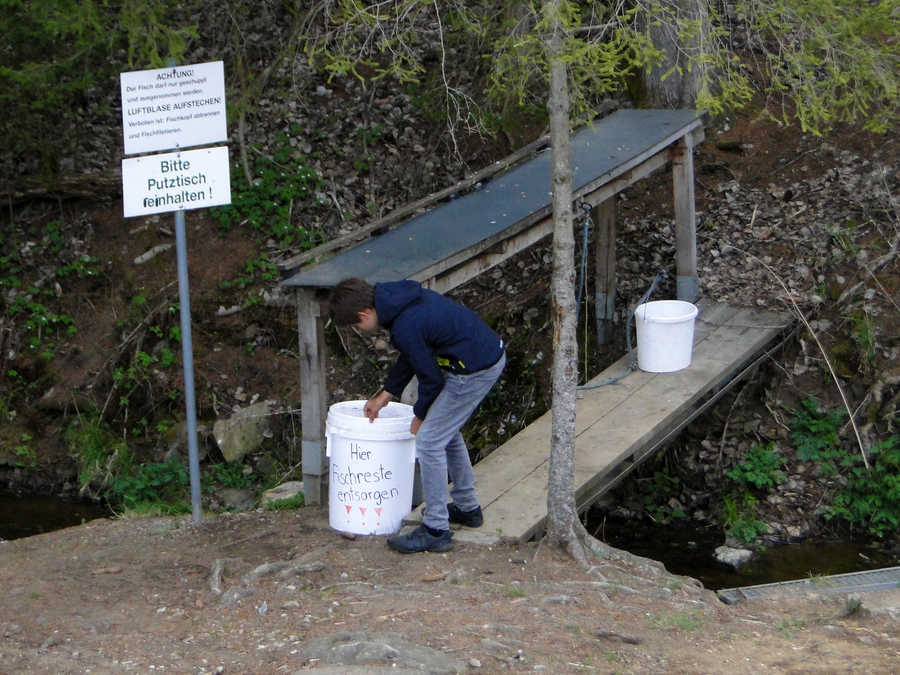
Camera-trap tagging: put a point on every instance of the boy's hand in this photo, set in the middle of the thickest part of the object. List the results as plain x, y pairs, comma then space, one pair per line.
414, 425
375, 404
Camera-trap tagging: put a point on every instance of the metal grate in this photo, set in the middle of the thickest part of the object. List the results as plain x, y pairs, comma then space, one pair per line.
853, 582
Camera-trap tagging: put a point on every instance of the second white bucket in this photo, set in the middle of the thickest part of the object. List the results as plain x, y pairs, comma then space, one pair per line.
371, 467
665, 335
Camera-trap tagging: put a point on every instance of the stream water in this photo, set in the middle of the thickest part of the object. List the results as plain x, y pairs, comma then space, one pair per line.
27, 516
688, 550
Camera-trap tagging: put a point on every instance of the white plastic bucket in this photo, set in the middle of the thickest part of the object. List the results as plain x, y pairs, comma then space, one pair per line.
371, 467
665, 335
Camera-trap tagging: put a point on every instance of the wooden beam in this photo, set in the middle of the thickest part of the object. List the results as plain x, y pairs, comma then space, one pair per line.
394, 217
447, 274
504, 250
636, 166
313, 394
604, 217
687, 283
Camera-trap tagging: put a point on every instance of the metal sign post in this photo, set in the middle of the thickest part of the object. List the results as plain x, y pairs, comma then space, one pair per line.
187, 353
175, 108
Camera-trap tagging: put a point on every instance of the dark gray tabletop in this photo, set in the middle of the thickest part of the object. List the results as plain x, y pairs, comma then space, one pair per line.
461, 223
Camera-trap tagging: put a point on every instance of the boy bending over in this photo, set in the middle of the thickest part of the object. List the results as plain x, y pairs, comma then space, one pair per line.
457, 359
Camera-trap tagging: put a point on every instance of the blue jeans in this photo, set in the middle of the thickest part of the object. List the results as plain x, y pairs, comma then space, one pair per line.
440, 447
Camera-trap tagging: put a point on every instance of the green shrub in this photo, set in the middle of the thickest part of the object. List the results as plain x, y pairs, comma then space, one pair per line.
280, 184
25, 454
227, 474
738, 513
161, 483
258, 268
100, 455
656, 493
815, 436
27, 302
761, 468
871, 498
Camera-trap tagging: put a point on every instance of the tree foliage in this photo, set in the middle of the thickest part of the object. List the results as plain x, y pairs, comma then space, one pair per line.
830, 61
835, 60
60, 55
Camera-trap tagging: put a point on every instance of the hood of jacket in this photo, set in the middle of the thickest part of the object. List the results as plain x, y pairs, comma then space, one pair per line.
393, 297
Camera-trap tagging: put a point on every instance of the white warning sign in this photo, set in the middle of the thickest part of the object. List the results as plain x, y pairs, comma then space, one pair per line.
191, 179
177, 107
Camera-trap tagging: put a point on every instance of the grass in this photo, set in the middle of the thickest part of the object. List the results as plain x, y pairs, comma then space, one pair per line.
287, 504
514, 590
674, 585
788, 627
155, 509
687, 621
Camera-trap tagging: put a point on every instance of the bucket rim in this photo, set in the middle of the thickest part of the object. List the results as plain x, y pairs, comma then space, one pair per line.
690, 311
353, 403
389, 427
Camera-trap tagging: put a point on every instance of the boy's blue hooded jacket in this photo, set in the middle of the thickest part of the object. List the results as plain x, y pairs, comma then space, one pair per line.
431, 332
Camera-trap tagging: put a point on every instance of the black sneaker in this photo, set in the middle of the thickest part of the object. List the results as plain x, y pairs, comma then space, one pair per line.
473, 518
420, 539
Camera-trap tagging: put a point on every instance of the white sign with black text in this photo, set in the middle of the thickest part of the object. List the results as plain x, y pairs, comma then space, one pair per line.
175, 107
191, 179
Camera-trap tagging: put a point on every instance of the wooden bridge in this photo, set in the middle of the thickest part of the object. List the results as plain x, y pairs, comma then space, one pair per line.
617, 426
457, 240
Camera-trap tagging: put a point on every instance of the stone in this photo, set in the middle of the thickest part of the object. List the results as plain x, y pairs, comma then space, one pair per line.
733, 557
244, 431
61, 399
361, 648
283, 491
797, 532
176, 441
237, 499
266, 466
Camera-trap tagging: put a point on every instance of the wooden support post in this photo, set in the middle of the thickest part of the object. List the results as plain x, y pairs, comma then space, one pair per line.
313, 394
687, 285
604, 217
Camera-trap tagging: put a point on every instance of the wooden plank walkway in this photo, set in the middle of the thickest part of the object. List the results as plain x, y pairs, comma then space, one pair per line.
620, 425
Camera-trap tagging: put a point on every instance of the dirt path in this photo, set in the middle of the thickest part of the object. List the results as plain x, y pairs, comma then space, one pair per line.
137, 595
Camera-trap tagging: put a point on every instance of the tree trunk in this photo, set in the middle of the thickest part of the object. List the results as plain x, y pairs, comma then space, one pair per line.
564, 529
561, 493
676, 81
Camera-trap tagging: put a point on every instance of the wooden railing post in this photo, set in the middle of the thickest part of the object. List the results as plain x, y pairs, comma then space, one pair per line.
604, 217
313, 394
687, 284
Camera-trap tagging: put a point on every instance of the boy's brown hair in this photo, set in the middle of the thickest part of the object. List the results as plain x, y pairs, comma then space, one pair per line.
349, 297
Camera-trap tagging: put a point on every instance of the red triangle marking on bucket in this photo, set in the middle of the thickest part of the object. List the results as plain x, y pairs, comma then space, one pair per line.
362, 510
378, 510
348, 507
